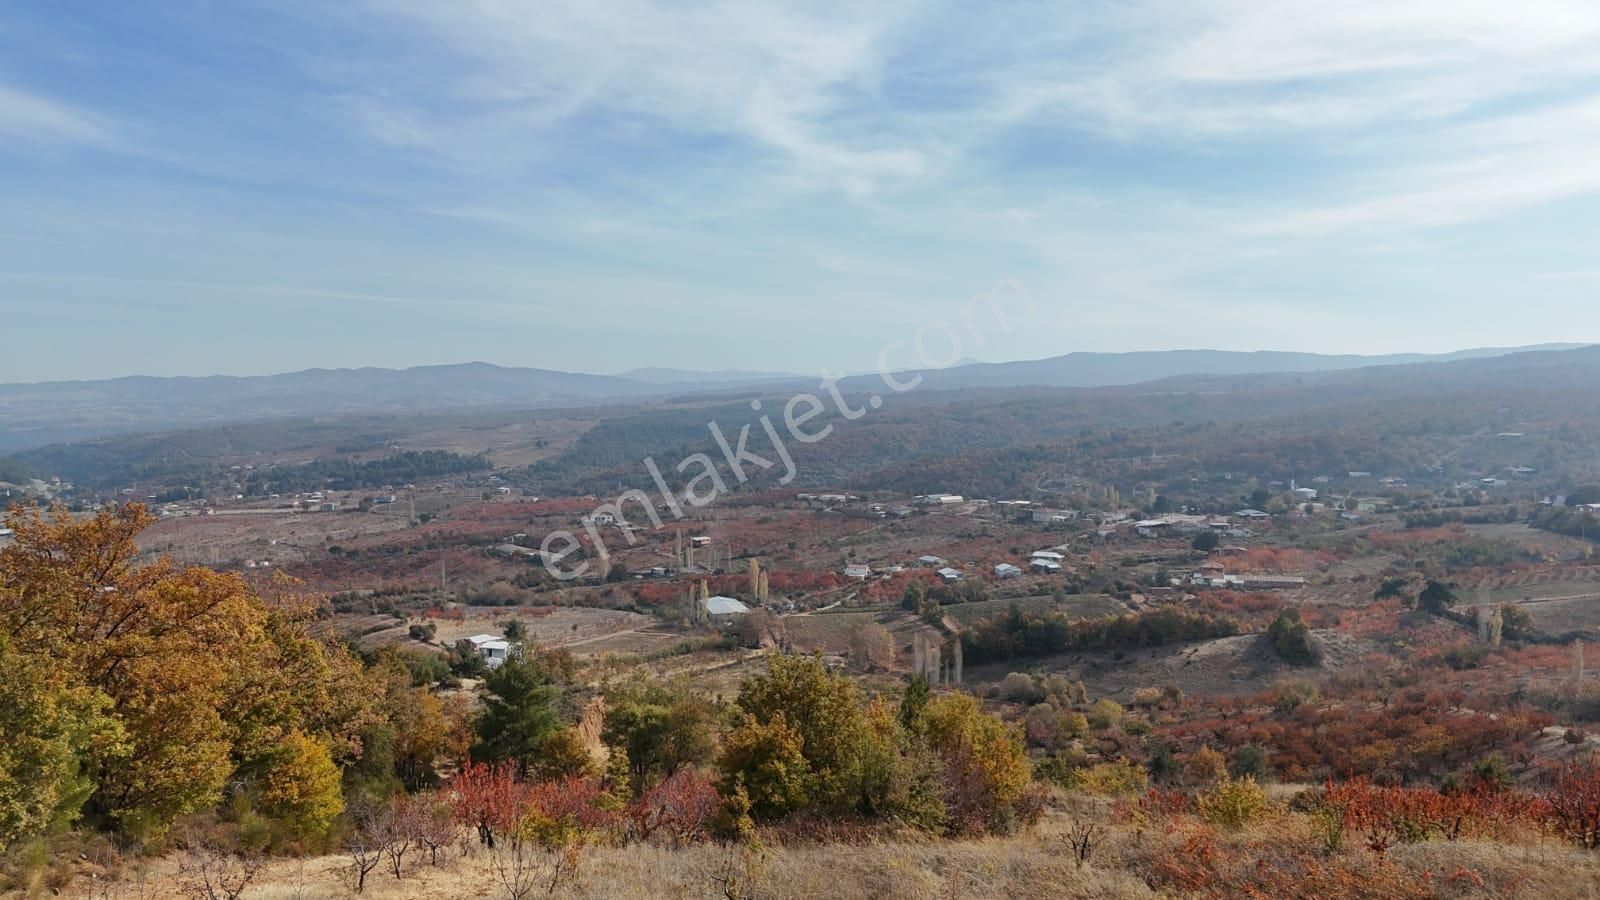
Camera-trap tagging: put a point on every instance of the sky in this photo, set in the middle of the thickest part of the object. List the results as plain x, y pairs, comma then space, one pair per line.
199, 187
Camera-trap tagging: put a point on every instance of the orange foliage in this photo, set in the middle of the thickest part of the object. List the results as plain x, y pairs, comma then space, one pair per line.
1385, 816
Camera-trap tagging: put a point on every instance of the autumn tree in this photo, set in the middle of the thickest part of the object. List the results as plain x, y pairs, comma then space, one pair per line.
1436, 597
986, 765
1574, 803
199, 676
301, 786
872, 647
50, 726
823, 710
1291, 637
765, 762
661, 727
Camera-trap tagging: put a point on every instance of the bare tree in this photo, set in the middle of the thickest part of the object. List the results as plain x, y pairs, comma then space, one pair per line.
1082, 838
525, 867
396, 831
366, 851
742, 873
208, 872
433, 826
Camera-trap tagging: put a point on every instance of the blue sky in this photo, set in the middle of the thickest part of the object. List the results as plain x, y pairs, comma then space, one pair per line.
195, 187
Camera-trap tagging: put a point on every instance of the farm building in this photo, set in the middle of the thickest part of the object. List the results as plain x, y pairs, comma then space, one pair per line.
492, 647
723, 609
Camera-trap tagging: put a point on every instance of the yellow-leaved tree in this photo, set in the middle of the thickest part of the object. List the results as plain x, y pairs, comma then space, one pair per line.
986, 764
300, 786
48, 726
184, 676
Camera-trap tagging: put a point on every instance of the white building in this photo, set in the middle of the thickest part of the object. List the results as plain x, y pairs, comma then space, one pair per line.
721, 608
492, 647
1150, 527
1006, 570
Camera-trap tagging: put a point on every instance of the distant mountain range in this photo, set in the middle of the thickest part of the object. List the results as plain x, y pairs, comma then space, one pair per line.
1137, 367
33, 415
659, 375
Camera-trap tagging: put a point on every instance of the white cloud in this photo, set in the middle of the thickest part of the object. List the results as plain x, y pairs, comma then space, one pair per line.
515, 73
32, 117
1237, 67
819, 93
1480, 170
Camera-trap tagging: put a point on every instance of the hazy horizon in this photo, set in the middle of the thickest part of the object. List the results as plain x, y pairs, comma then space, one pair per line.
735, 374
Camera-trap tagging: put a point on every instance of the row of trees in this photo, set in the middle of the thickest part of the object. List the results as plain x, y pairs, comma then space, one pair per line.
798, 742
1020, 634
343, 474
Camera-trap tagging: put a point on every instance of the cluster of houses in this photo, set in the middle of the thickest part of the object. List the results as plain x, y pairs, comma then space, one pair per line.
1212, 574
939, 564
1180, 523
1042, 562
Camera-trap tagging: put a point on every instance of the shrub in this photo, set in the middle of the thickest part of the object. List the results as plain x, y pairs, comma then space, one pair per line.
1291, 637
1204, 767
1062, 767
1466, 656
1104, 714
1051, 728
1249, 760
1235, 803
1019, 687
1291, 697
1112, 779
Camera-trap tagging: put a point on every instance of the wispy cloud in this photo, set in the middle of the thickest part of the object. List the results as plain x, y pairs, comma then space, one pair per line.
31, 117
510, 76
1241, 68
1479, 170
1270, 170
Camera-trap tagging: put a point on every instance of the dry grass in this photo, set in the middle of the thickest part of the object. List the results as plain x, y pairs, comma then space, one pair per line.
1024, 867
1126, 860
1538, 870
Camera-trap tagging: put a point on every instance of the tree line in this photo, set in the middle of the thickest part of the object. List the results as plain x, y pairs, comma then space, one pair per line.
348, 474
1018, 634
